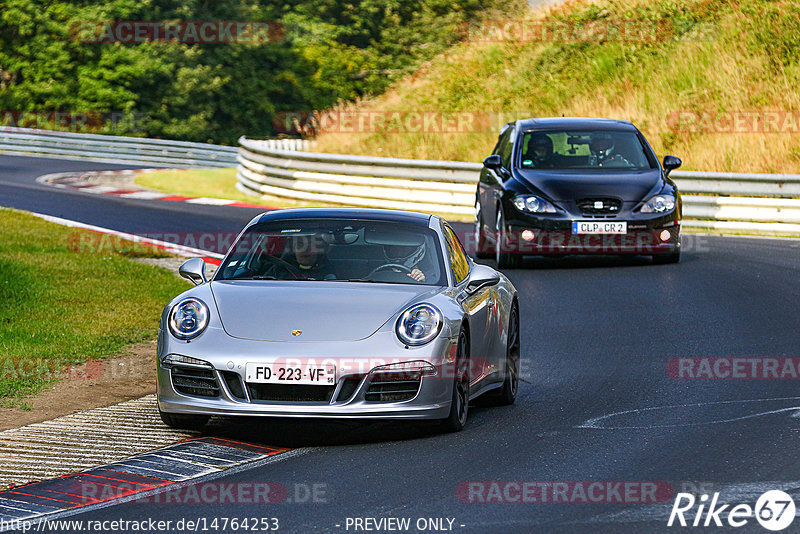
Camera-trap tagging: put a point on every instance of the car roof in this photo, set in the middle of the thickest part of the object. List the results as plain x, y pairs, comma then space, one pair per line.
575, 123
371, 214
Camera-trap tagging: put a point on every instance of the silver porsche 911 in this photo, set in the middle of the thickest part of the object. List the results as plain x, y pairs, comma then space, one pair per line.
345, 313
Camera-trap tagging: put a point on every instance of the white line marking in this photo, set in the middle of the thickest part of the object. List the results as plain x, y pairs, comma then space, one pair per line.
144, 195
209, 201
595, 421
99, 189
180, 250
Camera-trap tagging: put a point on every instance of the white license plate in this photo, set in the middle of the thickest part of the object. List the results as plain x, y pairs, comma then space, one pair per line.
282, 373
599, 227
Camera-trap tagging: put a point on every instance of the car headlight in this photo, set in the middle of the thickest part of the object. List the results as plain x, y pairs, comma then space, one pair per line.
533, 204
419, 324
188, 318
659, 204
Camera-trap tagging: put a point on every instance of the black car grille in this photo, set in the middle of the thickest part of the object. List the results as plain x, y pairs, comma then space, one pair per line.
191, 381
234, 383
393, 386
592, 206
349, 387
289, 393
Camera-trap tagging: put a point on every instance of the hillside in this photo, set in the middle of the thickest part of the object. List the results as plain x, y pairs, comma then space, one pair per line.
712, 81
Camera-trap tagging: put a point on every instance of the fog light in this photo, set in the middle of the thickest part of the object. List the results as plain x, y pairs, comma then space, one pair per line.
528, 235
665, 235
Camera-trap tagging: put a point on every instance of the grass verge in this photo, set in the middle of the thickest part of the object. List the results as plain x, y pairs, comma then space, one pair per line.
212, 183
707, 65
63, 302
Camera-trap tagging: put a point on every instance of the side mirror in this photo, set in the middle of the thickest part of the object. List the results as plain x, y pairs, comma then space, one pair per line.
671, 163
493, 162
194, 270
482, 276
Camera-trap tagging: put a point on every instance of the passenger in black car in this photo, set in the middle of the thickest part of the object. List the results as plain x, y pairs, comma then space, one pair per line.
540, 152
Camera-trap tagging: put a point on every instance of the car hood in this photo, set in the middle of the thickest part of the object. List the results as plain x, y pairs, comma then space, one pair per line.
631, 186
323, 311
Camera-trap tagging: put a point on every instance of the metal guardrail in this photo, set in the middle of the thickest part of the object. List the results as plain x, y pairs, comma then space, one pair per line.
733, 202
441, 186
125, 150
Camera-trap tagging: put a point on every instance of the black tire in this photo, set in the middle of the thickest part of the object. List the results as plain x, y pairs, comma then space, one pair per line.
663, 259
481, 244
506, 395
505, 260
459, 406
183, 421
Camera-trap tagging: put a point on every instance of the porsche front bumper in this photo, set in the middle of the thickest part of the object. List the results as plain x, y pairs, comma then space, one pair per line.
221, 388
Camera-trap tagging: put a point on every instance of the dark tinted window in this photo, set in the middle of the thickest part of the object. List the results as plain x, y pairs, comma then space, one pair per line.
568, 149
336, 250
507, 149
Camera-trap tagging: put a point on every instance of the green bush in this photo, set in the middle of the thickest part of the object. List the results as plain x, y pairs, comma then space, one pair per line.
332, 51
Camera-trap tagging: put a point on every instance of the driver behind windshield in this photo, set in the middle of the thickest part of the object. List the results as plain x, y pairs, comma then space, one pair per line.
407, 256
604, 153
310, 257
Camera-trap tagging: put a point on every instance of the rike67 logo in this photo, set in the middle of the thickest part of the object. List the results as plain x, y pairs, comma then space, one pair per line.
774, 510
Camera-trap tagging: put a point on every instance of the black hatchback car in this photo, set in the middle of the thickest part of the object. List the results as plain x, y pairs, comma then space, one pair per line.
573, 185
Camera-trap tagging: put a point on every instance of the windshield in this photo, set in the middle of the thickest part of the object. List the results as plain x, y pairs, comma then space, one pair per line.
336, 250
568, 149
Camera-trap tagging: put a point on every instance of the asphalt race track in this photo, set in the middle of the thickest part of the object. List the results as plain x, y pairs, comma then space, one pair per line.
597, 402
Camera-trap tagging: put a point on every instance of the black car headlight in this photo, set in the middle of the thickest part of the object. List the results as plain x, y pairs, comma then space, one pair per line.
533, 204
188, 318
659, 204
419, 324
